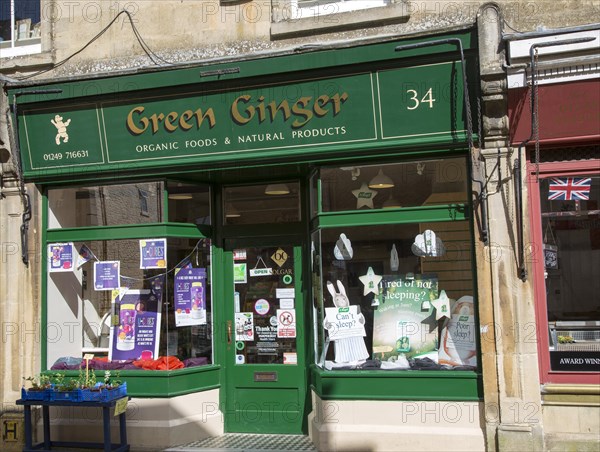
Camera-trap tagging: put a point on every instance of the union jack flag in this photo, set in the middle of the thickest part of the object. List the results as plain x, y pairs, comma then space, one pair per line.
569, 188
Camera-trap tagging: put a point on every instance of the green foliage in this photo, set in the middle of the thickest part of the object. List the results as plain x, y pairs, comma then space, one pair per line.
109, 382
39, 382
565, 340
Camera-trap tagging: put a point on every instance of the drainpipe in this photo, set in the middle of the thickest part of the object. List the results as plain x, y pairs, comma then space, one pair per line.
534, 130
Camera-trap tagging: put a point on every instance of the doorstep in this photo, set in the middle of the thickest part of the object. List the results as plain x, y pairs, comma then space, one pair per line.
245, 442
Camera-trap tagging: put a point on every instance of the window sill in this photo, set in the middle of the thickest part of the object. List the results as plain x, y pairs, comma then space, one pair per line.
397, 385
570, 394
583, 389
21, 50
44, 59
383, 15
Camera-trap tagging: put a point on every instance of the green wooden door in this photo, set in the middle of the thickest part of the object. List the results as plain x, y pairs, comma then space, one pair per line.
265, 369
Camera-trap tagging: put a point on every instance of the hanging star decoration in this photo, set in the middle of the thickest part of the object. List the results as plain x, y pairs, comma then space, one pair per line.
442, 306
371, 282
364, 196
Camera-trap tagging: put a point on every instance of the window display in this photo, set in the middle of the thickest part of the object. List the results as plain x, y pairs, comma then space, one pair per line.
128, 311
390, 308
571, 252
132, 303
389, 292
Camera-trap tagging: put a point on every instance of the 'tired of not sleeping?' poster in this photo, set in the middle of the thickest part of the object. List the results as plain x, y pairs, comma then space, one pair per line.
403, 323
190, 296
137, 332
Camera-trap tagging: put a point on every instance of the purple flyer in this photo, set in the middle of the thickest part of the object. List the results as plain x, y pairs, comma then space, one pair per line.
60, 257
107, 275
190, 296
153, 253
138, 331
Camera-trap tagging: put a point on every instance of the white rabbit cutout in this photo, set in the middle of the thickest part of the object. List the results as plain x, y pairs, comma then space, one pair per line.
350, 349
340, 300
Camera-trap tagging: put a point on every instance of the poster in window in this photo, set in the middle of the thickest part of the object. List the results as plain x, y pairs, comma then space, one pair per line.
153, 253
137, 334
190, 296
403, 324
286, 323
60, 257
240, 273
550, 256
244, 326
107, 275
345, 322
458, 343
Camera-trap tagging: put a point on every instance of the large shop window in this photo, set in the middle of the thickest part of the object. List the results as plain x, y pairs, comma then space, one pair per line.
134, 303
570, 219
392, 268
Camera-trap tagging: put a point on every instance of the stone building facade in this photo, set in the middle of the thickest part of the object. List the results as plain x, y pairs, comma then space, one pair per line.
519, 404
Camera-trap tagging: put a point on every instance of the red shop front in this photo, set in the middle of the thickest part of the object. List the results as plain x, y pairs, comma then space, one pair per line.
555, 122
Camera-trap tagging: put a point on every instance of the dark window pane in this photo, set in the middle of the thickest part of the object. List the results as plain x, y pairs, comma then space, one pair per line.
189, 203
106, 205
259, 204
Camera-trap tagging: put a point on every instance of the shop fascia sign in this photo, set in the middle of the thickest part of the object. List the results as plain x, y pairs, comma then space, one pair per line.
416, 103
244, 109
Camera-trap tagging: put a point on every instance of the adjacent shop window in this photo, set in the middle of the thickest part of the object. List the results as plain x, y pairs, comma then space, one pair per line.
105, 205
277, 202
400, 295
570, 218
189, 203
19, 27
131, 301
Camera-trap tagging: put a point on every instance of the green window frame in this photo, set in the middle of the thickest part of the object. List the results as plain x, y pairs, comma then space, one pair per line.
140, 383
425, 385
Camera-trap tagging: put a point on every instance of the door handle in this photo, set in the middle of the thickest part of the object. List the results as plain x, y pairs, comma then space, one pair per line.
229, 332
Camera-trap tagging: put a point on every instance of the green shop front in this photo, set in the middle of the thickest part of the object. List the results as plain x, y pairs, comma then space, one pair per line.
282, 244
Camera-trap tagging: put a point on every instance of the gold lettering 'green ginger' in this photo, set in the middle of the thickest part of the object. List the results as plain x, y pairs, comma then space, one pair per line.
244, 109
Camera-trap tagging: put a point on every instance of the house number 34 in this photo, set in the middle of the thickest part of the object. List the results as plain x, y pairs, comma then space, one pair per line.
416, 103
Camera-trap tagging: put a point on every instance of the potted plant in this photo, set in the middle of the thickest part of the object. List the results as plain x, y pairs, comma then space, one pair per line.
109, 382
40, 387
113, 388
103, 391
66, 388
